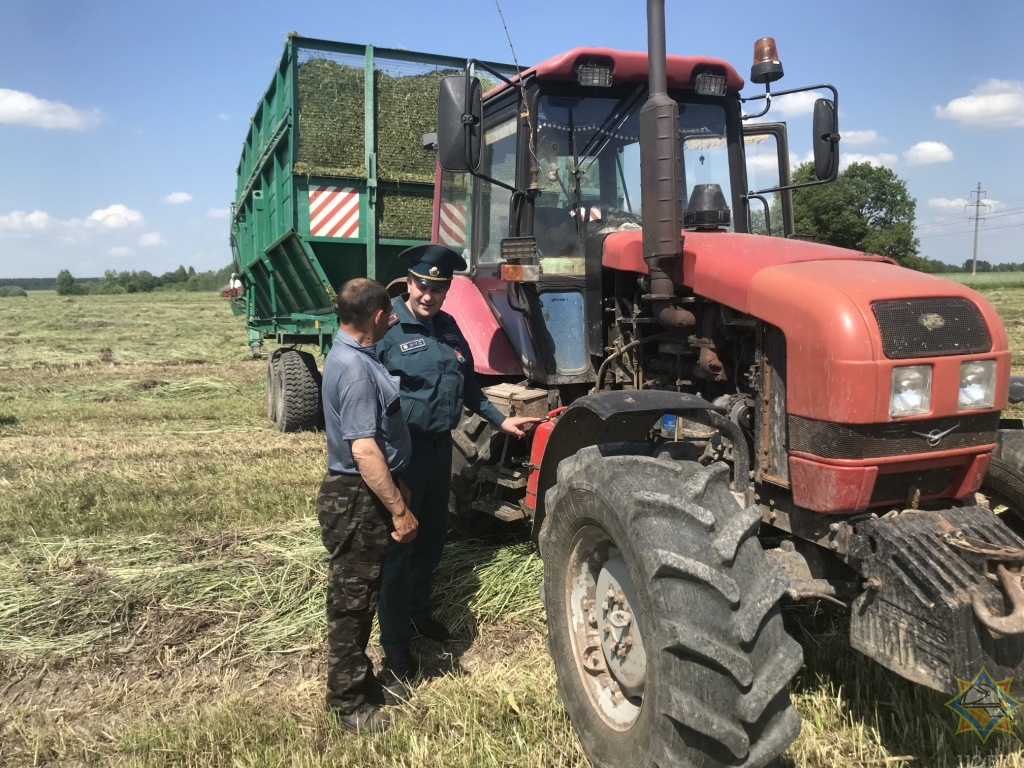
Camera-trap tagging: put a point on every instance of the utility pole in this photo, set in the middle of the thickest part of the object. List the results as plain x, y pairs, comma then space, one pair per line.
976, 218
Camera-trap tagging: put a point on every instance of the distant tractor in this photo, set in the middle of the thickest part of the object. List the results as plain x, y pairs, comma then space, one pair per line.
730, 417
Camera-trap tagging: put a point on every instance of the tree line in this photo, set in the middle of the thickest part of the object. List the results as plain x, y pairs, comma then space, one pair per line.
114, 282
868, 209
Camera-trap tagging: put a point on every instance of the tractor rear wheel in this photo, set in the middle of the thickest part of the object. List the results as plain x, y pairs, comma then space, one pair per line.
1004, 484
298, 392
475, 444
663, 618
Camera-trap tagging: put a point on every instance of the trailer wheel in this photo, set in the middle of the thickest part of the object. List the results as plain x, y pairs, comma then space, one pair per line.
298, 405
1004, 483
273, 383
663, 618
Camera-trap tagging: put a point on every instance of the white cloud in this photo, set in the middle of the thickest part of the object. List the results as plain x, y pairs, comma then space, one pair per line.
947, 204
994, 104
959, 204
116, 216
883, 159
20, 108
860, 138
928, 153
794, 104
218, 213
19, 222
177, 198
151, 238
223, 116
120, 250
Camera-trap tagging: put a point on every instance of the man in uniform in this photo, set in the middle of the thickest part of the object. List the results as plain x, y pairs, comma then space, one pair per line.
360, 505
427, 351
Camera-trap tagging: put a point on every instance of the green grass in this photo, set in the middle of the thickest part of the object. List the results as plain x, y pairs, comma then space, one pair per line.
161, 589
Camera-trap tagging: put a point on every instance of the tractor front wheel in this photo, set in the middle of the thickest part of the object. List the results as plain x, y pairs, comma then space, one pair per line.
663, 618
1004, 484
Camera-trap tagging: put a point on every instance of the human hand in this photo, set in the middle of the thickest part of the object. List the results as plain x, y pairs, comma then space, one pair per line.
512, 425
406, 526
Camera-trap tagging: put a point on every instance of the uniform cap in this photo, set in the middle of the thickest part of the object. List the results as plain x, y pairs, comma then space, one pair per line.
433, 264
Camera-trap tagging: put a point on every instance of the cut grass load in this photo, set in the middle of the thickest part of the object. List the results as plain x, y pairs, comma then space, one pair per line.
162, 585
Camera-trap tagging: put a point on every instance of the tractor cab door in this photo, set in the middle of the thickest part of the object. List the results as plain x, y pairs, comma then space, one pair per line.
767, 163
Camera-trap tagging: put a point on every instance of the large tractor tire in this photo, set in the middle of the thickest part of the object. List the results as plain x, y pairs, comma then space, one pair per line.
475, 444
662, 612
298, 405
1004, 484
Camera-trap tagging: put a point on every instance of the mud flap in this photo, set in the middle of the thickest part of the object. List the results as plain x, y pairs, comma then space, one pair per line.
927, 574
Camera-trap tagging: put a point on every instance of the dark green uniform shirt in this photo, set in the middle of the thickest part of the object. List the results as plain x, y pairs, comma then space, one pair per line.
436, 371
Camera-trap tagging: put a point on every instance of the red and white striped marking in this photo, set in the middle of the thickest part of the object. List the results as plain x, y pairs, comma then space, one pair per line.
333, 212
594, 215
452, 223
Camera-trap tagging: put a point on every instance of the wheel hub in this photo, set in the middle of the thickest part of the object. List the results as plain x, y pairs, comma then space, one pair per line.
618, 618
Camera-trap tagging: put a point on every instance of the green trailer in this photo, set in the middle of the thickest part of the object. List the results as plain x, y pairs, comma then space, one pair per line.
336, 178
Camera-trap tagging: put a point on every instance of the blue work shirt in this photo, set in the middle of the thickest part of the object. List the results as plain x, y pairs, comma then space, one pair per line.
436, 370
361, 399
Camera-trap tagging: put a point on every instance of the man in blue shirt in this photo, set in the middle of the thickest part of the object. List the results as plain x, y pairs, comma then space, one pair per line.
361, 505
426, 349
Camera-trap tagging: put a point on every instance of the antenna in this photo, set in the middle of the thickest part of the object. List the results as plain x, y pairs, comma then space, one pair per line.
508, 36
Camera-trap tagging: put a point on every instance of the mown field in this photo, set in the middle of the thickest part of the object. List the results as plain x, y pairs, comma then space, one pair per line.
161, 589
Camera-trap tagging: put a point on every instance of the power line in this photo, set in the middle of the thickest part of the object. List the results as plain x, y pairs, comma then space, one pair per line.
987, 229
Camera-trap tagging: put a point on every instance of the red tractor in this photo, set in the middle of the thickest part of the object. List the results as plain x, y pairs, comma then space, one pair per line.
734, 414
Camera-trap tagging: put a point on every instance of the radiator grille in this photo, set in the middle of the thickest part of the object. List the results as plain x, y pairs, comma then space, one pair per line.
870, 441
931, 327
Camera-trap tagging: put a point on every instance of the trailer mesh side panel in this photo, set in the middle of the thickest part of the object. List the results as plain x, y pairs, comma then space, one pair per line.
870, 441
332, 112
930, 327
404, 215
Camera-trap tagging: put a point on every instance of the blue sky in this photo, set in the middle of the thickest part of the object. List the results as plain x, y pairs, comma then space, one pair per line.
121, 122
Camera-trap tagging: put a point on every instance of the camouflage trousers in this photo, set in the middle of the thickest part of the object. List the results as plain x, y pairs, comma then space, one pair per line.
354, 527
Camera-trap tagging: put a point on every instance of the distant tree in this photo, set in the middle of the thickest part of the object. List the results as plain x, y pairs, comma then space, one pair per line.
65, 285
867, 208
11, 290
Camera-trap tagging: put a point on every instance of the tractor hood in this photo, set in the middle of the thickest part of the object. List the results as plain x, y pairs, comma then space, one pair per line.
820, 297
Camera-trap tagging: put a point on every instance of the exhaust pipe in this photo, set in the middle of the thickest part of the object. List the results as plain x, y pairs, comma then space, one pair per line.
660, 178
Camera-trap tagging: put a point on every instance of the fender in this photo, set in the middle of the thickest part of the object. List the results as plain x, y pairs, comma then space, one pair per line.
492, 351
614, 417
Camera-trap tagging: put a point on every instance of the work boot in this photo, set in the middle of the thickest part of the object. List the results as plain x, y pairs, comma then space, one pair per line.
391, 689
399, 665
431, 628
366, 718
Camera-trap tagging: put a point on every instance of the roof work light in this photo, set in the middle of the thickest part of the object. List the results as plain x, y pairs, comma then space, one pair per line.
594, 75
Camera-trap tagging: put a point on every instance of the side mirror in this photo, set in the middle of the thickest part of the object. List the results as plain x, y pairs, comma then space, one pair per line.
459, 123
826, 140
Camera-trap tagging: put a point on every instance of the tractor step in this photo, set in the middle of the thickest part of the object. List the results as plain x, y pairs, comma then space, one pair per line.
501, 510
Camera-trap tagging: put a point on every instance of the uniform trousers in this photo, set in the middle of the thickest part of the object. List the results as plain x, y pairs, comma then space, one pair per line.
355, 528
405, 591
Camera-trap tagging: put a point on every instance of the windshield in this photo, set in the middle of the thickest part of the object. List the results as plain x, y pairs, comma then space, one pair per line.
588, 154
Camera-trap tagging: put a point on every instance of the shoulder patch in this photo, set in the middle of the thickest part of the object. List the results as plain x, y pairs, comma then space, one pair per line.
392, 319
411, 346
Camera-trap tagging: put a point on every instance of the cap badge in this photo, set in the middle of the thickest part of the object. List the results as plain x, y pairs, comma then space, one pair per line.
434, 271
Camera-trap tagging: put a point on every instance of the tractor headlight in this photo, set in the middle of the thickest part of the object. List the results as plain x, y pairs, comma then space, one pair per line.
977, 384
911, 391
